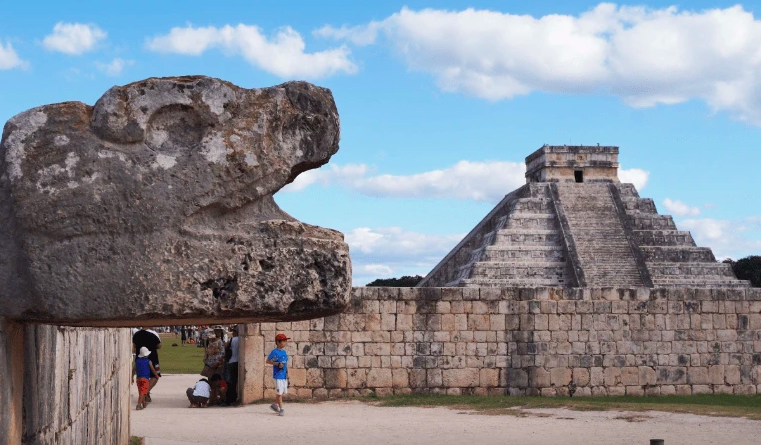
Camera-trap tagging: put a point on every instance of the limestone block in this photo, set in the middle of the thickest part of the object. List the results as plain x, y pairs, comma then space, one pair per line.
616, 390
298, 377
745, 389
697, 376
560, 376
463, 378
400, 378
335, 378
418, 378
434, 378
315, 378
379, 378
519, 378
581, 376
156, 204
356, 378
489, 378
612, 376
732, 374
647, 376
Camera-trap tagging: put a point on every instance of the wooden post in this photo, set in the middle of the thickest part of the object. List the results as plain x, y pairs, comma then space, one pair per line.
11, 381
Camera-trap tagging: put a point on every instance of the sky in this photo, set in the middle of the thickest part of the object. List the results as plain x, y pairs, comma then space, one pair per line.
440, 102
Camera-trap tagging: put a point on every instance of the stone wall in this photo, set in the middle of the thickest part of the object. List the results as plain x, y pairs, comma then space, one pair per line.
11, 381
528, 341
76, 385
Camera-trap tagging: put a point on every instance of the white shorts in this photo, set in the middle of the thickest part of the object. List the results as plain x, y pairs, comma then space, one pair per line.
281, 386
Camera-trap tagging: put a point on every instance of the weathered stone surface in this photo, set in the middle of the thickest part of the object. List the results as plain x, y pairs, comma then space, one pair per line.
156, 204
600, 344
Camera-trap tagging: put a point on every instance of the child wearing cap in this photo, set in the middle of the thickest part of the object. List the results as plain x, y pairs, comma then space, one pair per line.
278, 358
144, 370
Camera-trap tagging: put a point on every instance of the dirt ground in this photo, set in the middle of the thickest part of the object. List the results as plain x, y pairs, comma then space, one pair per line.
169, 421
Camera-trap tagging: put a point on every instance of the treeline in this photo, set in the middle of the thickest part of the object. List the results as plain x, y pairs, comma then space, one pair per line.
748, 268
405, 281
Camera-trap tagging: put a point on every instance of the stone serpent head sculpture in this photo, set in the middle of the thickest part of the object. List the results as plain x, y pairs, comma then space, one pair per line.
156, 204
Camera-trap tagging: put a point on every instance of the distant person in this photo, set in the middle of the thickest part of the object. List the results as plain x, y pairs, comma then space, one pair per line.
146, 338
199, 394
183, 335
213, 357
197, 336
144, 371
278, 358
232, 368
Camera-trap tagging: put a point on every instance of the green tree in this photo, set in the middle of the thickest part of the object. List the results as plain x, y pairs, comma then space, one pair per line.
405, 281
748, 268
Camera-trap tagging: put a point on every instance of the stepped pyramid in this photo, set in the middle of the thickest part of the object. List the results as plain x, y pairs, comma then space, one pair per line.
575, 225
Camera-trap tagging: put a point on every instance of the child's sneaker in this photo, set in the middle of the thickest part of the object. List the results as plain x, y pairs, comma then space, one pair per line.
275, 407
281, 413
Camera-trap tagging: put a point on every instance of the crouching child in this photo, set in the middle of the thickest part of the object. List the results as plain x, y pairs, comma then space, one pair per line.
199, 394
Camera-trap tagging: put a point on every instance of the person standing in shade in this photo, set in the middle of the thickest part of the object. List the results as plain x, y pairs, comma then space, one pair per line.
278, 358
146, 338
183, 335
232, 368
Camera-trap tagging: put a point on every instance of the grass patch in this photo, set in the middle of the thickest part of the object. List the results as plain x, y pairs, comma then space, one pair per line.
134, 440
186, 359
703, 404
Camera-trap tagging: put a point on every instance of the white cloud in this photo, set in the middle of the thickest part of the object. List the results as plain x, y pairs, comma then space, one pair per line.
8, 57
634, 176
393, 251
487, 181
678, 208
645, 56
380, 270
395, 243
727, 238
73, 38
114, 67
480, 181
282, 54
361, 35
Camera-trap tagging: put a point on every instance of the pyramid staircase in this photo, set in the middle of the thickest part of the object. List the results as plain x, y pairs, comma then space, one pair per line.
604, 251
524, 249
672, 258
596, 234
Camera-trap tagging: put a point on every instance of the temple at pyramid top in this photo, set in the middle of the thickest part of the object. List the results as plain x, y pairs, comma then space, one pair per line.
575, 225
572, 163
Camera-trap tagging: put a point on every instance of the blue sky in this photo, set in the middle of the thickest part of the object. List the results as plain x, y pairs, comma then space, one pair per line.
440, 102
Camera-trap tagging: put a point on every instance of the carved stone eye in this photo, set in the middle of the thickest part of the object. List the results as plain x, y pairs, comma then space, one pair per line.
174, 129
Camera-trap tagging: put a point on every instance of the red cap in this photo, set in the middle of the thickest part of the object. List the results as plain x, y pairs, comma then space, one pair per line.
279, 337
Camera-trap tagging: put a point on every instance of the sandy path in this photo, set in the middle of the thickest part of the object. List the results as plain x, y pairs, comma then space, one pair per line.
168, 421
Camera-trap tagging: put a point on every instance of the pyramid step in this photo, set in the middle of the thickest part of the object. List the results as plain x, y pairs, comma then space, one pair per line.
531, 221
689, 270
652, 222
682, 254
674, 282
534, 205
627, 191
524, 254
528, 237
664, 238
639, 205
499, 270
534, 282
